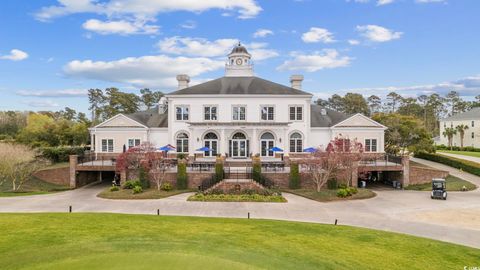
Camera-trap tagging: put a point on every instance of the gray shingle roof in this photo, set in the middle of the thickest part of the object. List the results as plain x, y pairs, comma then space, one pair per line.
330, 119
239, 86
473, 114
150, 118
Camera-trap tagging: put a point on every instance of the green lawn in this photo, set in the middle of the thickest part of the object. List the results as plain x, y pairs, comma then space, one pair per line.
327, 195
453, 184
33, 187
463, 153
115, 241
127, 194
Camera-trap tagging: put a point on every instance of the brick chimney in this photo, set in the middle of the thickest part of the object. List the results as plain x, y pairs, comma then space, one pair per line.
296, 81
183, 80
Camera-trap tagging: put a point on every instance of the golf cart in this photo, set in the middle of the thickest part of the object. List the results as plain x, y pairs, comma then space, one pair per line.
439, 189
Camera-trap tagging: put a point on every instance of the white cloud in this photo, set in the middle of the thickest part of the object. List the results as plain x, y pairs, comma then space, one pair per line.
467, 87
15, 55
377, 33
260, 33
326, 59
146, 9
384, 2
41, 103
353, 42
189, 24
317, 34
145, 71
121, 27
217, 48
54, 93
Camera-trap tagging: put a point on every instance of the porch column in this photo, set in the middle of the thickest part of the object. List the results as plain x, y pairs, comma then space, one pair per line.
254, 142
223, 142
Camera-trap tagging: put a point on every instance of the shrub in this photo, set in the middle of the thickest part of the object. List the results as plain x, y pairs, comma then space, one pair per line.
166, 187
182, 177
352, 190
131, 184
465, 165
342, 186
143, 178
294, 178
218, 171
114, 188
457, 148
137, 189
60, 153
257, 170
332, 183
342, 193
181, 156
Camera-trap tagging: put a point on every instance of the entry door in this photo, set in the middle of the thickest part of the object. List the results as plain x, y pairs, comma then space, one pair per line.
239, 148
265, 145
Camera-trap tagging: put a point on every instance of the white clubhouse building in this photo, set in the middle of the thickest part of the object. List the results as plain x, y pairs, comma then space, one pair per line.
237, 116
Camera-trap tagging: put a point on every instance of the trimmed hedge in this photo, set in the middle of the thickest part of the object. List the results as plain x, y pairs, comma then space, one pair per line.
294, 178
465, 165
218, 171
182, 177
60, 153
457, 148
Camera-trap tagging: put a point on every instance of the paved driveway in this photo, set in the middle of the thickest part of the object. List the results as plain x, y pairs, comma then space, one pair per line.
474, 159
398, 211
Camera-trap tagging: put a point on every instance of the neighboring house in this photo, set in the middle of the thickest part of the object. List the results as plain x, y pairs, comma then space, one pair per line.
238, 115
472, 134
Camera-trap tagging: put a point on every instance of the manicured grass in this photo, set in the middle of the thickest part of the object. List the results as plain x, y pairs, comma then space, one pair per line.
33, 187
327, 195
199, 197
453, 184
57, 165
463, 153
115, 241
127, 194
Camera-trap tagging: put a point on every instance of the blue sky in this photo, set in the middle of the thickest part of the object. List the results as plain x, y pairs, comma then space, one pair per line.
51, 52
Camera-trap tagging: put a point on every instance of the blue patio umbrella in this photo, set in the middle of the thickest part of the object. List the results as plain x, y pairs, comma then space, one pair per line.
204, 149
275, 149
166, 148
310, 150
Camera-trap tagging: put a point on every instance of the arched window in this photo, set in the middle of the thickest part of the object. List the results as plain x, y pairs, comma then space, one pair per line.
210, 140
239, 135
182, 143
267, 136
296, 143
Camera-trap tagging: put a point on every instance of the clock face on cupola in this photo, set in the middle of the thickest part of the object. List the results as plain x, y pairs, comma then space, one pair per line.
239, 64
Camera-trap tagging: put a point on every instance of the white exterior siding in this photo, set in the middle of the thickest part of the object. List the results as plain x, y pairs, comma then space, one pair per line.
468, 140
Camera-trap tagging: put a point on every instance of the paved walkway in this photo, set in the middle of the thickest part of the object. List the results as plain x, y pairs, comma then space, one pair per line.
393, 210
474, 159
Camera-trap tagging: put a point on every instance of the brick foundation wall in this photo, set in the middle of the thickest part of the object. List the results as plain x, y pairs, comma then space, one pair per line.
420, 175
59, 176
194, 178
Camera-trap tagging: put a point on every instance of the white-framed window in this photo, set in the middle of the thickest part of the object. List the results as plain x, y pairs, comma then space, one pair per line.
239, 112
473, 123
182, 143
473, 135
370, 145
182, 113
267, 112
133, 143
296, 113
296, 143
107, 145
210, 113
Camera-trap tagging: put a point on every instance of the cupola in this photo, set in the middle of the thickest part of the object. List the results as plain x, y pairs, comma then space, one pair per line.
239, 62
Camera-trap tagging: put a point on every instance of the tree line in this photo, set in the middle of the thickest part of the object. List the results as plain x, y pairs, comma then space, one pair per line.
429, 108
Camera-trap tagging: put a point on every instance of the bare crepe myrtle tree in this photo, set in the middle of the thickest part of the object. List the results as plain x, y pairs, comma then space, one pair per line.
158, 167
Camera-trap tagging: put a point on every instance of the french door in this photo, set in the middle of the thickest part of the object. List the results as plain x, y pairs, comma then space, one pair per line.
213, 145
239, 148
265, 145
